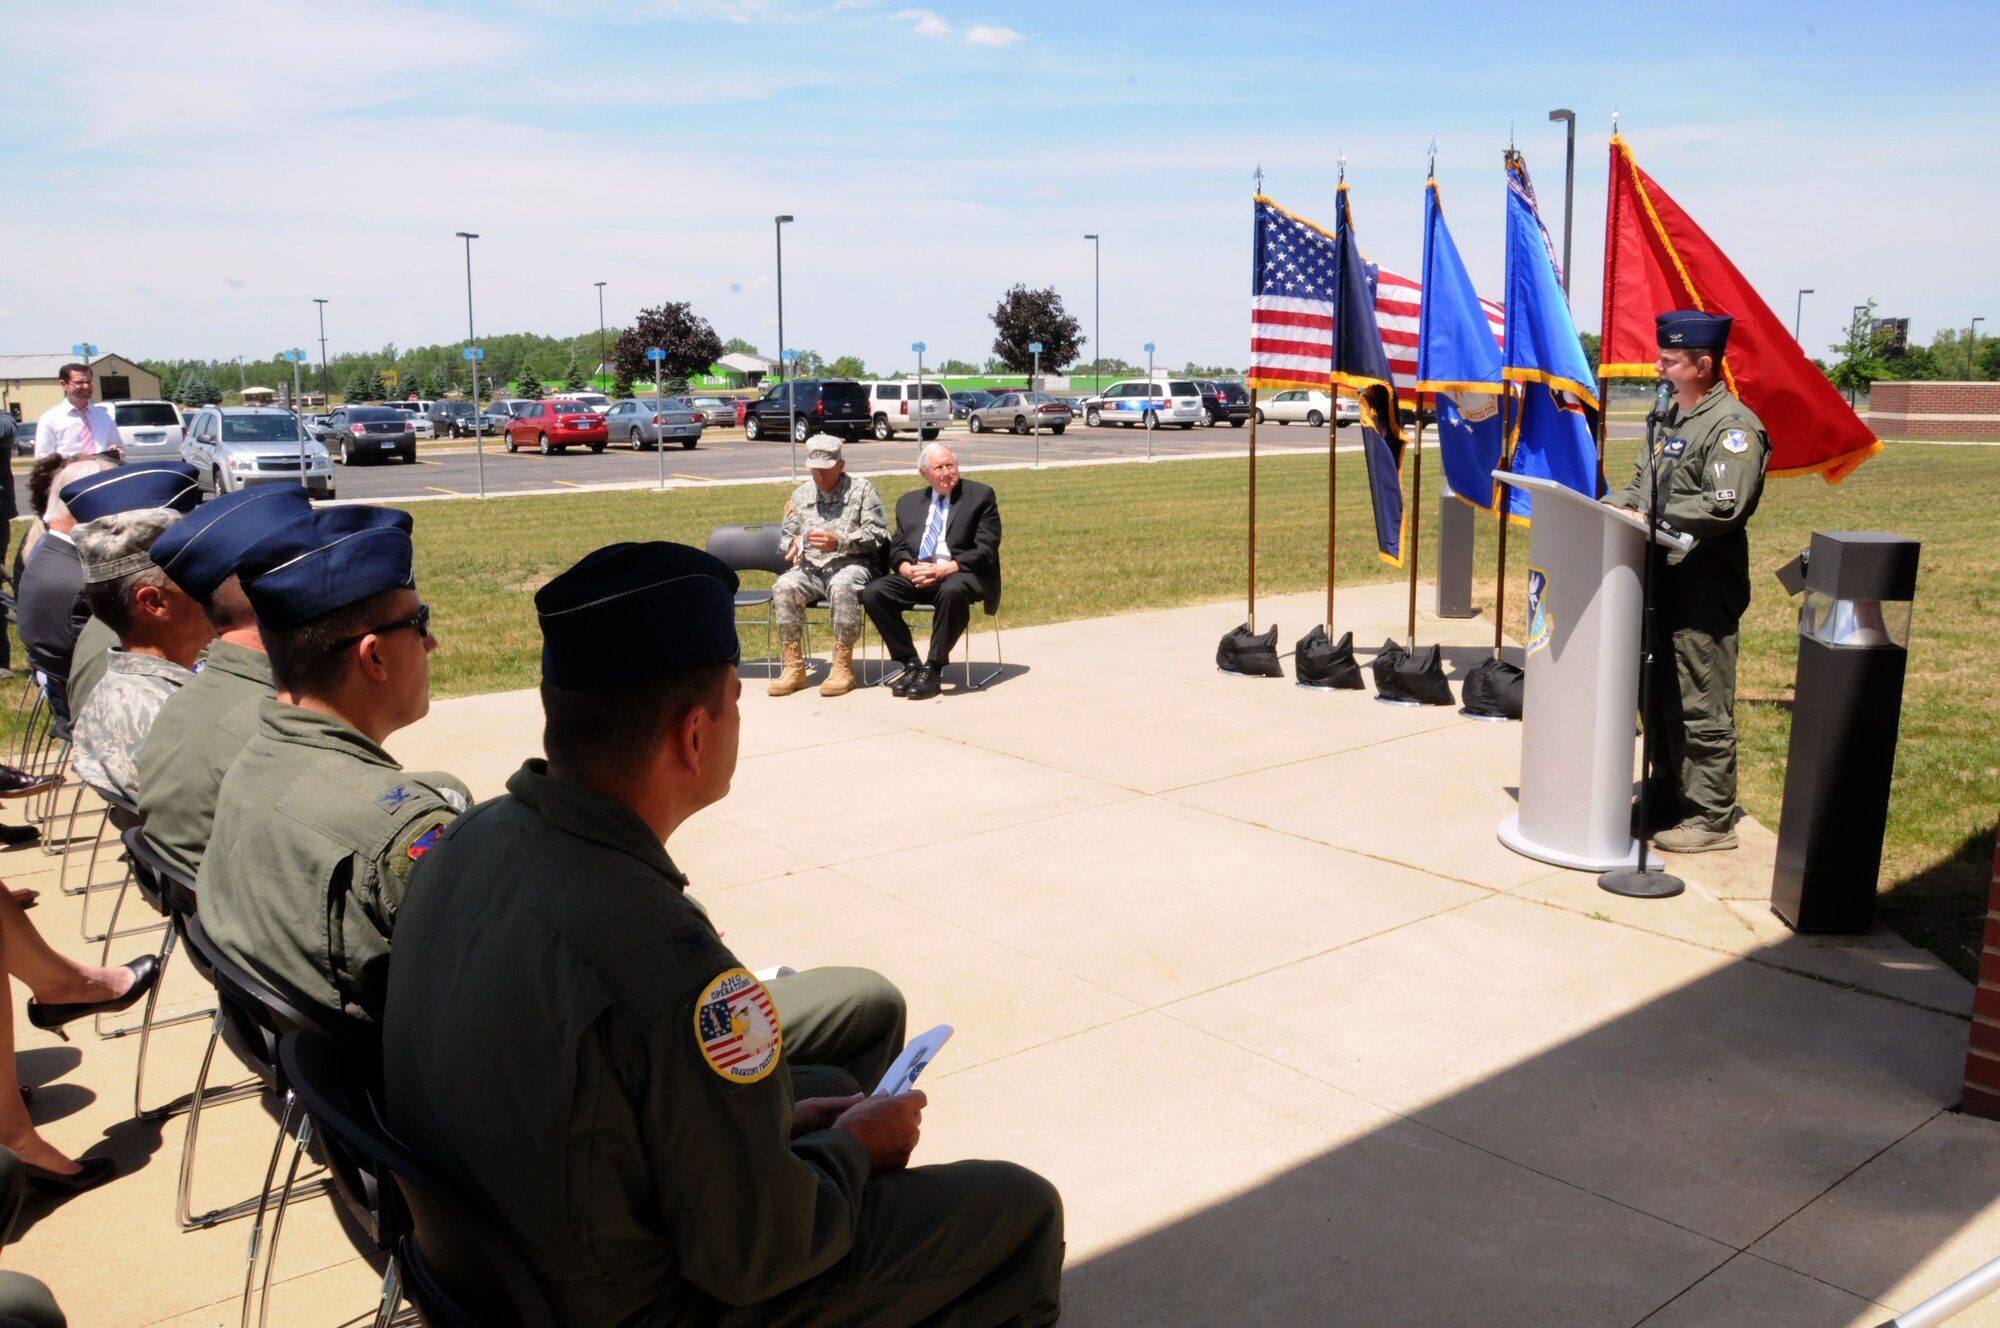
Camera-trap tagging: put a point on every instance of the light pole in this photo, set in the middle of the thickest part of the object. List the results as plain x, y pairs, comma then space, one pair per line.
658, 355
1799, 309
325, 378
1972, 343
297, 356
1097, 307
1034, 378
1853, 348
787, 360
779, 226
600, 335
1151, 410
918, 347
473, 355
1569, 184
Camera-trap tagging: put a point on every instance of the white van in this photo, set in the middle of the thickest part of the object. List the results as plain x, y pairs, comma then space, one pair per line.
895, 408
1175, 401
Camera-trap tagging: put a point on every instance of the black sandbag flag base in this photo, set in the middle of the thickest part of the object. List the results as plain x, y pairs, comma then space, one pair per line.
1249, 654
1326, 665
1403, 678
1493, 691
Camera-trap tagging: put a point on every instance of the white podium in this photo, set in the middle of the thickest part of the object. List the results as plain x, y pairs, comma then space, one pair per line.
1581, 703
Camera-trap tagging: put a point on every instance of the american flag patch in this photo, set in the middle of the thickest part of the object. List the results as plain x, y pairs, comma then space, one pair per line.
737, 1027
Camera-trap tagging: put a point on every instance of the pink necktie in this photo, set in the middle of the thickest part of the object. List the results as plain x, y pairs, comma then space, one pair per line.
87, 444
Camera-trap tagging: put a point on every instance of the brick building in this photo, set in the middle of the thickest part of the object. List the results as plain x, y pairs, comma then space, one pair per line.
1934, 410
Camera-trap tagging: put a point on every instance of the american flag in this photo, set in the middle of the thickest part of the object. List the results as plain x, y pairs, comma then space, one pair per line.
1291, 308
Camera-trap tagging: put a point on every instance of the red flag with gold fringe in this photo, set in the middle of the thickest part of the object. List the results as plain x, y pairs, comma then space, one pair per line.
1656, 259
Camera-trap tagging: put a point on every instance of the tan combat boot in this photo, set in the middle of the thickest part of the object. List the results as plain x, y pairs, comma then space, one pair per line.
793, 678
840, 678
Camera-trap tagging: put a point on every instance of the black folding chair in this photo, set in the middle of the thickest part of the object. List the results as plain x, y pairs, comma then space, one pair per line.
153, 877
752, 549
456, 1269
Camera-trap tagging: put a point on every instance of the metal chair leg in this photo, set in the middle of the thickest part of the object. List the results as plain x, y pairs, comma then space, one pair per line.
146, 1027
302, 1140
184, 1194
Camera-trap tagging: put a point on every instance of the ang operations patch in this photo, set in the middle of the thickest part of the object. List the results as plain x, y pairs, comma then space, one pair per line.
1675, 446
1734, 441
737, 1027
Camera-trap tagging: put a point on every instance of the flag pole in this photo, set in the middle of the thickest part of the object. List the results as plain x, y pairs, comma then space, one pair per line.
1501, 495
1253, 512
1331, 489
1415, 543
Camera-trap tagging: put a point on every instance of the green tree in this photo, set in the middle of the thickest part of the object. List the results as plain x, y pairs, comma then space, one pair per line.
575, 380
738, 346
529, 385
847, 366
1591, 344
690, 343
621, 386
437, 383
1863, 361
198, 389
957, 368
1024, 317
358, 386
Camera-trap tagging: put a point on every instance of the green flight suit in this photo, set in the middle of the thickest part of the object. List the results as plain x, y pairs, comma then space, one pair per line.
1717, 453
316, 831
88, 662
569, 1041
198, 732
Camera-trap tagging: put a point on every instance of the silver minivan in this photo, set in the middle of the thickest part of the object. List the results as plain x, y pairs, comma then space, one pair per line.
1135, 402
148, 428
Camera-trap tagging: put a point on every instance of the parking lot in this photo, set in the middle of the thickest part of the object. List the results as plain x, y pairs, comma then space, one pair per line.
447, 469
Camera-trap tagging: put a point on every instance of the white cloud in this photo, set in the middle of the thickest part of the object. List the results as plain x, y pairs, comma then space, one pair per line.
991, 36
1043, 192
928, 24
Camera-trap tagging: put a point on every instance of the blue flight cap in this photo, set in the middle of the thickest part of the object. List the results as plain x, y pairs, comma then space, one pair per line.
173, 484
1690, 329
326, 560
632, 612
201, 552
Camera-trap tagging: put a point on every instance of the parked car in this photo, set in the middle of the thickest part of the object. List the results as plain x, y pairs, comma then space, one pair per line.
24, 437
233, 447
646, 421
1133, 402
1018, 412
597, 401
810, 405
445, 415
718, 412
149, 428
969, 399
1307, 406
365, 431
896, 407
557, 426
1224, 402
421, 416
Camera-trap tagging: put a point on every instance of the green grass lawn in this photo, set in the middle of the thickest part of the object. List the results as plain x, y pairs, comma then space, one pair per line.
1089, 541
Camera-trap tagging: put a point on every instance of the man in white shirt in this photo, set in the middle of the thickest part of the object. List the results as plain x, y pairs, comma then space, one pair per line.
76, 427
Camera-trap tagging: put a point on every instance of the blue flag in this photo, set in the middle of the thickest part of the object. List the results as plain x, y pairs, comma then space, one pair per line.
1458, 359
1362, 366
1550, 437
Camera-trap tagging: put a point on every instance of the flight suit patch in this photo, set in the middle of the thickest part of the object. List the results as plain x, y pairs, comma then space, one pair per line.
1733, 441
1675, 446
416, 839
1725, 495
395, 797
425, 842
736, 1027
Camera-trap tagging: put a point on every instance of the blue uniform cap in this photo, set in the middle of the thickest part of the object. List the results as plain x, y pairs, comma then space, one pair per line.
633, 612
201, 552
326, 560
1690, 329
142, 484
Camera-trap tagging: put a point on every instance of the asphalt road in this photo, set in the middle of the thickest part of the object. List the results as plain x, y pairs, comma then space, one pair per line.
453, 468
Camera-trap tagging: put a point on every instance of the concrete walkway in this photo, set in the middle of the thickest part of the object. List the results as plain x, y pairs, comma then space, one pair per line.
1244, 970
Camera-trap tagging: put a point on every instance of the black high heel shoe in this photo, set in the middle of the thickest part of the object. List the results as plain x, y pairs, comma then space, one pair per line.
51, 1018
91, 1173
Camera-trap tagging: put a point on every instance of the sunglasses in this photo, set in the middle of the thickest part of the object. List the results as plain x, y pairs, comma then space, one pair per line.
419, 622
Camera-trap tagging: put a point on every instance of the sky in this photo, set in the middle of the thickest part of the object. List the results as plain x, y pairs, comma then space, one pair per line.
187, 178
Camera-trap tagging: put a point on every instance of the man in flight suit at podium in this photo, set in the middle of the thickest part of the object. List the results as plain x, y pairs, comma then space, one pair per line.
1710, 464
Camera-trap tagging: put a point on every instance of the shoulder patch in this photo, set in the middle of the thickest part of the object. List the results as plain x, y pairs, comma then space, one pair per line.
736, 1027
395, 797
417, 838
1735, 442
425, 842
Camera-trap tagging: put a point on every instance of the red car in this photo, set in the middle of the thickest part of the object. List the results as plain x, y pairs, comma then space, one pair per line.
556, 426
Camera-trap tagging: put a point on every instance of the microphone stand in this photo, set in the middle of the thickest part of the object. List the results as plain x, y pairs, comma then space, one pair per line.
1640, 882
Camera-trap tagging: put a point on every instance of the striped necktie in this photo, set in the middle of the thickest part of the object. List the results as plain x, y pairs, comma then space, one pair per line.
934, 531
87, 440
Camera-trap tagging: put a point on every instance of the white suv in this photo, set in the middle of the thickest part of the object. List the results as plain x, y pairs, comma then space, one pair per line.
895, 408
1174, 401
149, 428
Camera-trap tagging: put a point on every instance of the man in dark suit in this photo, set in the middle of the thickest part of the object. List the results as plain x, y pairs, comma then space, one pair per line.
946, 552
49, 607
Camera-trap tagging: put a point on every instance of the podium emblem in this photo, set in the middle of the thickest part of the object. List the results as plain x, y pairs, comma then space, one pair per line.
1540, 625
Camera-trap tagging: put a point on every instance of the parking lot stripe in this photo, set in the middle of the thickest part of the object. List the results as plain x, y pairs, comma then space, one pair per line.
566, 484
453, 492
679, 476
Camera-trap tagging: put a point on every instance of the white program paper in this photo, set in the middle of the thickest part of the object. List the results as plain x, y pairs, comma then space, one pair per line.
919, 1052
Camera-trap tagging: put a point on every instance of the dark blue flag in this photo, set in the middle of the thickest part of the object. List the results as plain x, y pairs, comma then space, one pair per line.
1362, 366
1458, 359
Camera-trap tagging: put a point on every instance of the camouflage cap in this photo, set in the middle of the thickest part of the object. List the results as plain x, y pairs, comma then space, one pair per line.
121, 544
823, 453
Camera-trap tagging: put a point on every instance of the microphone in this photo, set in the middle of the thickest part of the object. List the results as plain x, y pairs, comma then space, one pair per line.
1663, 399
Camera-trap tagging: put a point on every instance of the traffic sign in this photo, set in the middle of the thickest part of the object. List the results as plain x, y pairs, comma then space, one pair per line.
919, 347
83, 350
390, 376
1149, 348
295, 357
1034, 348
475, 352
655, 353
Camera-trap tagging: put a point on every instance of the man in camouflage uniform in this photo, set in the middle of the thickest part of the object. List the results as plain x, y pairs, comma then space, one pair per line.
1711, 459
316, 826
834, 531
202, 728
161, 633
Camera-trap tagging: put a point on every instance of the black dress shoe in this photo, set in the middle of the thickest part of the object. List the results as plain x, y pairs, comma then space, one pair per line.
20, 784
924, 685
91, 1173
51, 1018
901, 687
13, 836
